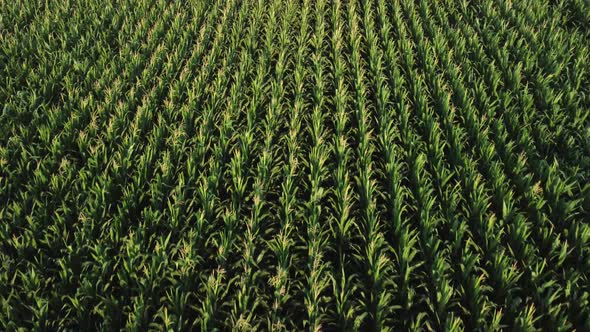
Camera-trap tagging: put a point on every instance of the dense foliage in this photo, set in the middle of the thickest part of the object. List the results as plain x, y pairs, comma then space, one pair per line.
295, 165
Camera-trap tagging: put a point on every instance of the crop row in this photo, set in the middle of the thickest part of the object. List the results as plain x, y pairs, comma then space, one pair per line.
291, 165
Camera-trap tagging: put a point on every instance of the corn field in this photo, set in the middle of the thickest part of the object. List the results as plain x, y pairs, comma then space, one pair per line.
295, 165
